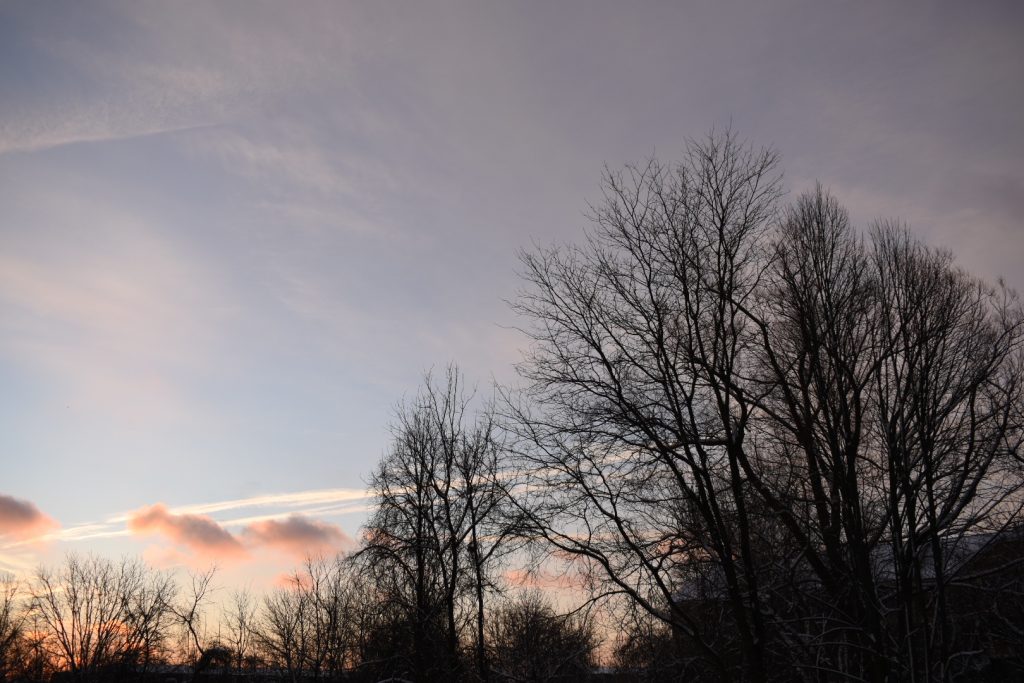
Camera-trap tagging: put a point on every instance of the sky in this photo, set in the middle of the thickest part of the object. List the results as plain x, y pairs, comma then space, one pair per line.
233, 235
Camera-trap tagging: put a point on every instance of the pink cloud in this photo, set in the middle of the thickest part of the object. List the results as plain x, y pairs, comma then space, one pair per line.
22, 520
298, 535
205, 539
198, 533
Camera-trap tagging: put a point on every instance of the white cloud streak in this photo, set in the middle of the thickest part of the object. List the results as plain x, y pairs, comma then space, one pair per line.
299, 499
317, 502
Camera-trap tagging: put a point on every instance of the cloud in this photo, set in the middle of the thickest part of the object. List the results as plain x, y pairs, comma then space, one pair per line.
17, 563
201, 535
152, 70
207, 539
22, 520
297, 535
273, 163
138, 100
312, 502
295, 499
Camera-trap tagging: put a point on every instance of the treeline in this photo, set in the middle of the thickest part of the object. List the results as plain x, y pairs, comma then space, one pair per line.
793, 444
759, 443
771, 445
95, 619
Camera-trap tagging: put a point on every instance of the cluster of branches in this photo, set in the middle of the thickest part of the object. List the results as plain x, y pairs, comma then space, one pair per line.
99, 620
89, 617
778, 439
444, 520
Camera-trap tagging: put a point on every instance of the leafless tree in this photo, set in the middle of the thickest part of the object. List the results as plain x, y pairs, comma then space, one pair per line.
646, 649
239, 618
12, 620
947, 391
893, 377
311, 627
635, 427
281, 632
439, 523
532, 643
401, 550
198, 648
101, 617
472, 489
732, 403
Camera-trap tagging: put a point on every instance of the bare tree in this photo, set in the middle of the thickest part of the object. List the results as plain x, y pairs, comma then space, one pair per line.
638, 412
281, 631
647, 650
100, 617
440, 523
197, 647
532, 643
892, 381
472, 489
402, 549
311, 627
239, 618
12, 620
947, 391
731, 404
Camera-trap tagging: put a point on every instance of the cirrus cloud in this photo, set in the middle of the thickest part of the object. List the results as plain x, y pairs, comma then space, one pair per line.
21, 520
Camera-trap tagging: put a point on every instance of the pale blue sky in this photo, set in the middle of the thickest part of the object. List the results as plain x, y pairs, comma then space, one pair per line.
233, 234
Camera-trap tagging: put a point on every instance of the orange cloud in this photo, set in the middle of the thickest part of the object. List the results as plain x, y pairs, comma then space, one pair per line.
22, 520
298, 535
198, 533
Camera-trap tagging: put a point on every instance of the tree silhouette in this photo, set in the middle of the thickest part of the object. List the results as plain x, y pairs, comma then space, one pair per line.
736, 403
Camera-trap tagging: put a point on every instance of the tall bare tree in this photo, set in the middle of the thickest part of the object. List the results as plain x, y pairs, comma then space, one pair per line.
439, 524
197, 646
638, 412
734, 403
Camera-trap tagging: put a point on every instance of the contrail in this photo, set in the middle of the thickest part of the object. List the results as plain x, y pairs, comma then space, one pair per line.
315, 501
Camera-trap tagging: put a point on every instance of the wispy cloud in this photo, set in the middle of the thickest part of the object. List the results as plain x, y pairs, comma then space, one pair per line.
185, 522
34, 137
291, 160
321, 511
286, 500
130, 100
162, 69
17, 562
